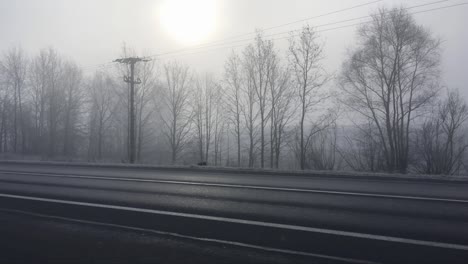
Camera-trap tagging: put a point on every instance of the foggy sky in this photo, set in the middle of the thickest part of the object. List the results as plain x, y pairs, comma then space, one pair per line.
92, 32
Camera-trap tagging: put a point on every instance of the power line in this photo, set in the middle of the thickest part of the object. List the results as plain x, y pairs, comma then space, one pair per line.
205, 45
222, 42
181, 52
277, 26
292, 35
98, 66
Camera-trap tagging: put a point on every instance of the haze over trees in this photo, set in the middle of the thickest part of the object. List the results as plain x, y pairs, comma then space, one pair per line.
390, 77
385, 110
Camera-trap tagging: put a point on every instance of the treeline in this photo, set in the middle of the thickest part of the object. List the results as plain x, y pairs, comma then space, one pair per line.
385, 110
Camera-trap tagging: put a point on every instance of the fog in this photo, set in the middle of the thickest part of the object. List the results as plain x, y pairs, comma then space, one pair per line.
92, 32
330, 85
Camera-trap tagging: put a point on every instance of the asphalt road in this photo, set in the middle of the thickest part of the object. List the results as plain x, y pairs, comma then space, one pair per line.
329, 219
29, 238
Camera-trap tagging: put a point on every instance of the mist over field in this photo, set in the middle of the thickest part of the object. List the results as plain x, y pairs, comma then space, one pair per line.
322, 85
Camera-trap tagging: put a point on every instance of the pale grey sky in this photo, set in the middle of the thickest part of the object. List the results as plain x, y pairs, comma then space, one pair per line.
92, 31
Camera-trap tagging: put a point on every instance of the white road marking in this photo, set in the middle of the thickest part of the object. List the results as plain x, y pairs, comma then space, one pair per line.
278, 250
241, 186
251, 222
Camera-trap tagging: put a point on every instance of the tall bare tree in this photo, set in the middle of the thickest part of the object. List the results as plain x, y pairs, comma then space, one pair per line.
260, 60
204, 103
48, 98
305, 59
14, 67
102, 106
282, 110
250, 114
74, 100
55, 95
234, 80
219, 123
38, 82
178, 117
144, 104
390, 76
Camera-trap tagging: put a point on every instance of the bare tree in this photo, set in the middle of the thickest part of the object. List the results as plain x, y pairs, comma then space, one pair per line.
441, 142
55, 95
361, 149
390, 76
305, 58
250, 114
4, 107
260, 59
219, 123
38, 82
178, 116
234, 80
321, 152
282, 110
204, 102
3, 135
48, 99
101, 111
14, 67
145, 92
74, 100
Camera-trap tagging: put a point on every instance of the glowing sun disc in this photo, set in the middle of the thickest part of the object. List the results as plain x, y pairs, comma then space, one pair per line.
189, 21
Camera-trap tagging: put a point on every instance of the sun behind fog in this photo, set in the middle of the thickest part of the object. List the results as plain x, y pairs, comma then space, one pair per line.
189, 21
